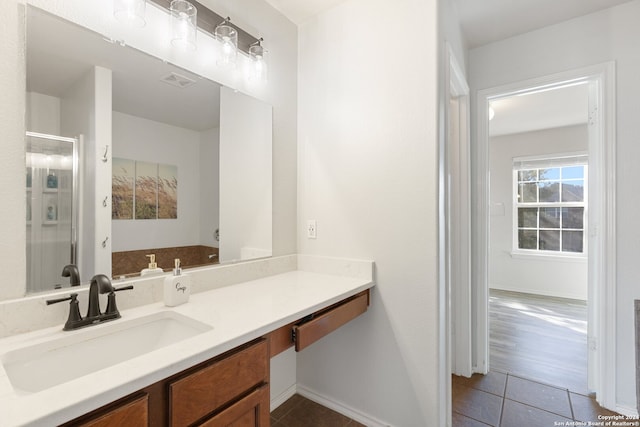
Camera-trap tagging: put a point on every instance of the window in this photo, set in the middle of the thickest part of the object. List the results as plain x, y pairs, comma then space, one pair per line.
550, 205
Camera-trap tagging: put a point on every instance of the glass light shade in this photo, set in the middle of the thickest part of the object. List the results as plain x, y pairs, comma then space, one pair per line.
130, 11
184, 24
258, 65
228, 36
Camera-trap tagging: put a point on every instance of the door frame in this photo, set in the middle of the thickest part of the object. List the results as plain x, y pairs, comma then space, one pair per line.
453, 238
601, 226
458, 217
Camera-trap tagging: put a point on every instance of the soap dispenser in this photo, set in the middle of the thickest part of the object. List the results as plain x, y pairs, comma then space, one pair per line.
152, 268
177, 287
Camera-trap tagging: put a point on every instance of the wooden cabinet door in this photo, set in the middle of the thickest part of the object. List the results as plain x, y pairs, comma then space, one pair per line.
134, 413
251, 411
201, 393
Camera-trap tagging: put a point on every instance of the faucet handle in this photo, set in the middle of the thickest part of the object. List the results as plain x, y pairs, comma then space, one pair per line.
71, 297
74, 310
112, 308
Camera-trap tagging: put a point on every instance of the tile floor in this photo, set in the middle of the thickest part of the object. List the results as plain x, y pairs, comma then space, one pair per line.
506, 400
495, 399
299, 411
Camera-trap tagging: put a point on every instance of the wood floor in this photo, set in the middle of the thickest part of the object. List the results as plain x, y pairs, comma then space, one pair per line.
538, 337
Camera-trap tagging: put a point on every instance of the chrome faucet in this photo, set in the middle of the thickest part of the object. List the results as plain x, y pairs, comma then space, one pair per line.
100, 284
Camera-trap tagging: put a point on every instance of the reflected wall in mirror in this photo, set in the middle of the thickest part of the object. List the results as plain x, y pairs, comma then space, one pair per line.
122, 103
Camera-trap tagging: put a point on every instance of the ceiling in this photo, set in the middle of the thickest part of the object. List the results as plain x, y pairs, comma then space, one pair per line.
540, 110
482, 21
487, 21
138, 89
60, 53
299, 11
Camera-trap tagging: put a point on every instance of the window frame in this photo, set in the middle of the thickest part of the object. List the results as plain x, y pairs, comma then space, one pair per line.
548, 162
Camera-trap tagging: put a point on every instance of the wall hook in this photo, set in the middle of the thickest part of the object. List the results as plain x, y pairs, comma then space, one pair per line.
104, 202
104, 156
104, 242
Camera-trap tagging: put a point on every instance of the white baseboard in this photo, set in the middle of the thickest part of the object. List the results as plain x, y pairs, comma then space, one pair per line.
627, 411
340, 408
283, 397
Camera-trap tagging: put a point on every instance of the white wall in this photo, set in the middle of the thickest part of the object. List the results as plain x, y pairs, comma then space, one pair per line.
12, 127
86, 110
560, 277
612, 34
245, 188
368, 175
209, 186
154, 142
43, 114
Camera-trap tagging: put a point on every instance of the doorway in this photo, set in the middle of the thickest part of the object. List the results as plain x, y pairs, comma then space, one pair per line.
538, 245
600, 225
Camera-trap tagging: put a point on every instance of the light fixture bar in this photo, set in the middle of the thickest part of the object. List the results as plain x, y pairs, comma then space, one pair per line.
208, 20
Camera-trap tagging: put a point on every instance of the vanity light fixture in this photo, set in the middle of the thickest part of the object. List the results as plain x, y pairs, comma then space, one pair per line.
233, 39
130, 11
184, 24
228, 37
258, 66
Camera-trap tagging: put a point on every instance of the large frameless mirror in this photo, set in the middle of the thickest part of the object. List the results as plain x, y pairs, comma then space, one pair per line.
164, 162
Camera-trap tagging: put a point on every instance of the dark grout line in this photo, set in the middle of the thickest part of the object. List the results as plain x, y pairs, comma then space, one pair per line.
504, 399
471, 418
573, 415
537, 381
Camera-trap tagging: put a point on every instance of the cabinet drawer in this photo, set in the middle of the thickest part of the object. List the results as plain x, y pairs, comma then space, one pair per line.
133, 413
251, 411
205, 390
325, 322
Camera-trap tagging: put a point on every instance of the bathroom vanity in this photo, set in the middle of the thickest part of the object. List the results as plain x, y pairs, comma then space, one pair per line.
215, 377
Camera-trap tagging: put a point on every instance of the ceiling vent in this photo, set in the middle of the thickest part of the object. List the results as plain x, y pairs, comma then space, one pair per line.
178, 80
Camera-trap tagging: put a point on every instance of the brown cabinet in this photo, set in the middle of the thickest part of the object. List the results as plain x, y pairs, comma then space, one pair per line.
310, 329
202, 393
250, 411
323, 322
229, 390
131, 411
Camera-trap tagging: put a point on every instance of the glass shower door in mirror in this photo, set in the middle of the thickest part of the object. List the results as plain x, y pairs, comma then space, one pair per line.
51, 188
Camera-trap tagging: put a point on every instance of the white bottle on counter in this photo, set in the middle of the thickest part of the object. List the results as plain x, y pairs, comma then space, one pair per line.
177, 288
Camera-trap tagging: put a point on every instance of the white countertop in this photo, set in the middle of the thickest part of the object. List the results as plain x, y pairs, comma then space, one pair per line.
238, 313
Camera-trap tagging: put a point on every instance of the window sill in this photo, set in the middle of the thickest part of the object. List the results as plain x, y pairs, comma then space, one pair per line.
581, 258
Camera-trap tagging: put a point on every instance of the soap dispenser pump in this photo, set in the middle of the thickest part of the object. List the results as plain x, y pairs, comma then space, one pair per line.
177, 287
152, 268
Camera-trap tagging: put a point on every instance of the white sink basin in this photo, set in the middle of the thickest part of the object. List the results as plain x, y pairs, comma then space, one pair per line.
40, 366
